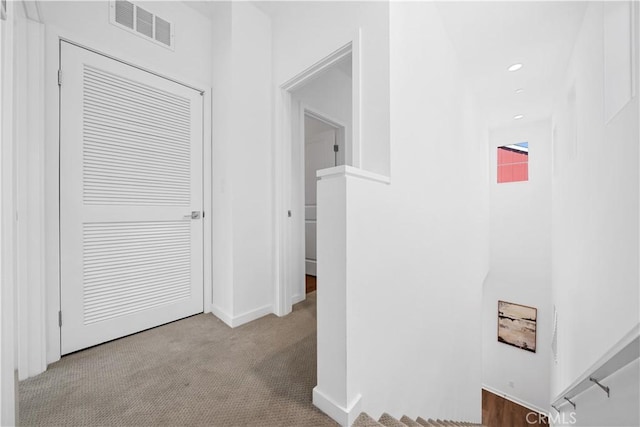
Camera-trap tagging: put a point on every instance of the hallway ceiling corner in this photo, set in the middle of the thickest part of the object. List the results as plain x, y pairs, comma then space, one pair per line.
490, 36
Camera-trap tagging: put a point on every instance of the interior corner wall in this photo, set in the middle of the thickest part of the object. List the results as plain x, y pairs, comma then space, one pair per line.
222, 230
242, 182
595, 256
251, 105
417, 249
307, 32
520, 268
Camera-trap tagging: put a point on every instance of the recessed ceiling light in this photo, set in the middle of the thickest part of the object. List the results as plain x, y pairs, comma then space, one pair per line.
518, 117
515, 67
519, 90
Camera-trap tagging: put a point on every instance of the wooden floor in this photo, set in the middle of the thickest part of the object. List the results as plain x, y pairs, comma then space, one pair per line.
500, 412
311, 283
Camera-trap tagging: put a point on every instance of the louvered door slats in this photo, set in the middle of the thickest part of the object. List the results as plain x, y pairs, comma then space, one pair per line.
131, 173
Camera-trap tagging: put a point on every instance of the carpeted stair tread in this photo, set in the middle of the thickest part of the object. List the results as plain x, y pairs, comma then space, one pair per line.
388, 421
409, 422
364, 420
426, 423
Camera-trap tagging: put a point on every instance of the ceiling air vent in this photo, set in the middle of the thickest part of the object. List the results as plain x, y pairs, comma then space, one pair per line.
124, 13
142, 22
163, 31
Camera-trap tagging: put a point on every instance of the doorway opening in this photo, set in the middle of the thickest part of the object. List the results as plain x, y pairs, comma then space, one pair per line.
324, 142
321, 138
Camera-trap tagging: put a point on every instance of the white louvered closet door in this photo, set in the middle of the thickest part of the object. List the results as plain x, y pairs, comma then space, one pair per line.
130, 177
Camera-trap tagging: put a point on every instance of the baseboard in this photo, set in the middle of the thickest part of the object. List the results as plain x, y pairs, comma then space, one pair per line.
235, 321
220, 314
251, 315
514, 399
341, 415
311, 267
298, 298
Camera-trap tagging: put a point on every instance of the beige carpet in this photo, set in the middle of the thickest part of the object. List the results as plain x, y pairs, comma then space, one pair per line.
195, 371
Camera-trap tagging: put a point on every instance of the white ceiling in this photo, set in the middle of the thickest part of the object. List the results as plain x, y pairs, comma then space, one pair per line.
204, 7
490, 36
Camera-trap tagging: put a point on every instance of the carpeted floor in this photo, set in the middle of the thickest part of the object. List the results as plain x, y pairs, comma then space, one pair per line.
195, 371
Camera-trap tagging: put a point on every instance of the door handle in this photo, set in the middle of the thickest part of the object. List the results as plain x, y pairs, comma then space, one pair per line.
192, 215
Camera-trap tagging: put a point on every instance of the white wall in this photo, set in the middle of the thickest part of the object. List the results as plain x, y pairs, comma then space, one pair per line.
251, 100
595, 409
417, 249
595, 259
222, 292
520, 267
306, 32
87, 22
319, 139
242, 182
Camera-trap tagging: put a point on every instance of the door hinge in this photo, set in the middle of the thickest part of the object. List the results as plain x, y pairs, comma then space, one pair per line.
59, 77
336, 148
202, 214
60, 318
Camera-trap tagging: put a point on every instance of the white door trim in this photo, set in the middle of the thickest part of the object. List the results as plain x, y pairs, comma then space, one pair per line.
8, 382
54, 36
284, 267
341, 130
29, 116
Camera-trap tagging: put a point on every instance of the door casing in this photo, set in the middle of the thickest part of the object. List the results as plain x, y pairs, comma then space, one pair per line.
75, 334
51, 285
286, 262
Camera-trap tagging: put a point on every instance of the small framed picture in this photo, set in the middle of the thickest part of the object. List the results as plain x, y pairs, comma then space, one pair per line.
517, 325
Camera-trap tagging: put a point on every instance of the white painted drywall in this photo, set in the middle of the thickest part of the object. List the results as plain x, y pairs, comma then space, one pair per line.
596, 410
87, 23
242, 189
319, 139
520, 267
417, 249
222, 283
331, 393
252, 99
595, 196
306, 32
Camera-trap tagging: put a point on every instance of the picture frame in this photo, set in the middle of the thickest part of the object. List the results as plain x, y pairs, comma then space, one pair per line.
517, 325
